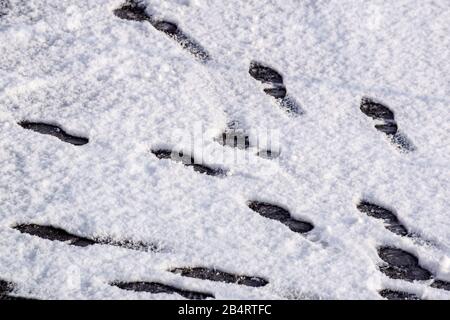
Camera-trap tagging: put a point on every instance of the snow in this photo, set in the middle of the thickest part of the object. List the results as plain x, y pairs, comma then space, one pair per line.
130, 88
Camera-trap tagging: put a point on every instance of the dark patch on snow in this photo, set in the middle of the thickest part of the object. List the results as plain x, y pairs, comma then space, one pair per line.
274, 212
277, 92
380, 113
397, 295
55, 131
133, 11
6, 287
4, 7
441, 284
236, 138
376, 110
276, 89
54, 234
402, 265
388, 128
57, 234
187, 161
154, 287
386, 123
378, 212
216, 275
264, 73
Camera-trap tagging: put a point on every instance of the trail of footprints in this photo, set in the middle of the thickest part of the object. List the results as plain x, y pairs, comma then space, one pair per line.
397, 263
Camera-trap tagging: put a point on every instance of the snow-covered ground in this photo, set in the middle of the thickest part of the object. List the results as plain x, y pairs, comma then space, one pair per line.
130, 88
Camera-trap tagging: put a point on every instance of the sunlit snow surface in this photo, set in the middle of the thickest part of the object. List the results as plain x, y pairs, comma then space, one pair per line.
130, 88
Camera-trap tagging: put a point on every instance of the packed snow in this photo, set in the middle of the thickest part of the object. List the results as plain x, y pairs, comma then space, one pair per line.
130, 89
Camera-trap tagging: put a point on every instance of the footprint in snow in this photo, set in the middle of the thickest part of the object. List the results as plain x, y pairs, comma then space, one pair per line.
397, 295
385, 122
390, 219
274, 86
57, 234
6, 288
187, 161
55, 131
155, 287
282, 215
405, 266
133, 11
4, 6
221, 276
402, 265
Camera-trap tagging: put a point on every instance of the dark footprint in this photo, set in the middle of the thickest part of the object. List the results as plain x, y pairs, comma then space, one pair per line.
236, 138
6, 288
264, 73
53, 131
440, 284
54, 234
57, 234
133, 11
386, 123
274, 212
276, 89
4, 6
154, 287
216, 275
397, 295
402, 265
187, 161
376, 110
391, 221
